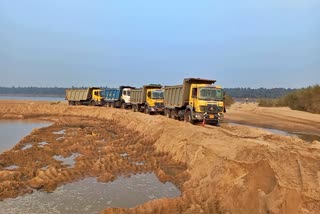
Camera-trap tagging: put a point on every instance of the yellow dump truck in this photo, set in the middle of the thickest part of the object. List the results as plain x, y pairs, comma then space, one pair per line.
85, 96
197, 100
148, 99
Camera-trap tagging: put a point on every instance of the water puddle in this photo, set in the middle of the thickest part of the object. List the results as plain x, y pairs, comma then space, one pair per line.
304, 136
12, 167
59, 132
44, 168
69, 161
42, 144
90, 196
308, 137
28, 146
11, 131
138, 163
278, 132
124, 154
59, 138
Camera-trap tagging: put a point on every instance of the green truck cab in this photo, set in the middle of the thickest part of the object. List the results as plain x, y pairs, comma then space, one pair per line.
148, 99
197, 100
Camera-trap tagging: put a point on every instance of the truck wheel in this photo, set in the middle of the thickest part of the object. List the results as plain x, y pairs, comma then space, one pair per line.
187, 117
146, 110
92, 103
123, 105
173, 116
168, 113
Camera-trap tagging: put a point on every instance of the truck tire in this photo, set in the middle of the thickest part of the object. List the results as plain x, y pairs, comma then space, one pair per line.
168, 113
188, 118
146, 110
173, 116
92, 103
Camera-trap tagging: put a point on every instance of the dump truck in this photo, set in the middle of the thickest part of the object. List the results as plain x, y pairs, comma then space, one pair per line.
118, 97
196, 100
148, 99
85, 96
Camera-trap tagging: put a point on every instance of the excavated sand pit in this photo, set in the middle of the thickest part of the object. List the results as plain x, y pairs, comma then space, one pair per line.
228, 169
79, 148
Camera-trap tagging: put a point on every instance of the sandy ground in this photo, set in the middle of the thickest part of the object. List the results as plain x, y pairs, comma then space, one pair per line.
228, 169
282, 118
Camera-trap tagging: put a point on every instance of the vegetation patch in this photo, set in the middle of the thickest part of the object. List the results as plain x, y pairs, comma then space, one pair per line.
305, 99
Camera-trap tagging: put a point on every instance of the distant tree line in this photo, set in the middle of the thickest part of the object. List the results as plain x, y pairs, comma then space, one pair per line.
33, 91
233, 92
305, 99
258, 93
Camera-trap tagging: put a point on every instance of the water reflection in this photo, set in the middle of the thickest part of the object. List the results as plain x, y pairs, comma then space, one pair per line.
69, 161
303, 136
90, 196
11, 131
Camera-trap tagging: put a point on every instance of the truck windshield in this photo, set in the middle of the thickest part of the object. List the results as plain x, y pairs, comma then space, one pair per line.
211, 94
157, 95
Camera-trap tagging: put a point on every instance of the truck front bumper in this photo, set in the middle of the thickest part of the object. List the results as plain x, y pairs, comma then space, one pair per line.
208, 117
156, 110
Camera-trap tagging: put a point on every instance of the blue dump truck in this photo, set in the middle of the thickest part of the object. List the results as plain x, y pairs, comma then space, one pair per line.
118, 97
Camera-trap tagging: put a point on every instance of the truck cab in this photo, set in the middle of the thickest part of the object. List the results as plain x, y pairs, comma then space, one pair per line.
125, 97
98, 97
206, 102
154, 101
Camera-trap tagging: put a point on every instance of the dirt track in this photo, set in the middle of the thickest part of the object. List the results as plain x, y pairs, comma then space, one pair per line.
228, 169
281, 118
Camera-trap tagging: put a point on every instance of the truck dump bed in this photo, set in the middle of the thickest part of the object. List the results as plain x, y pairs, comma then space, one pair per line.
139, 95
112, 94
79, 94
178, 96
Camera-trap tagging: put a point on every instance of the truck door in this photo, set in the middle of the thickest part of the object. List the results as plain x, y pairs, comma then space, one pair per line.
126, 95
194, 97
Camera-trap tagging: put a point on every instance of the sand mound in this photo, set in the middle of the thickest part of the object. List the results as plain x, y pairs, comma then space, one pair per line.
225, 169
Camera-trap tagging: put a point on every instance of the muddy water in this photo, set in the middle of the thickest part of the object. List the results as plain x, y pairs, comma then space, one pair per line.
79, 166
12, 131
90, 196
304, 136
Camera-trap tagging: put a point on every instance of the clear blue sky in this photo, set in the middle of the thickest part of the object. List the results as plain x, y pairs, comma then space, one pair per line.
247, 43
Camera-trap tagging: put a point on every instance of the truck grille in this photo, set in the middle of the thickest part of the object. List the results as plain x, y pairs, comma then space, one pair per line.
159, 105
210, 109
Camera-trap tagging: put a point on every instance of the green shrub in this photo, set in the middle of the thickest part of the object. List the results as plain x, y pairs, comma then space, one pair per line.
305, 99
228, 100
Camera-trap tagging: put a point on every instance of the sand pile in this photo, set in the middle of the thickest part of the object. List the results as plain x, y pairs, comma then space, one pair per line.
218, 169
